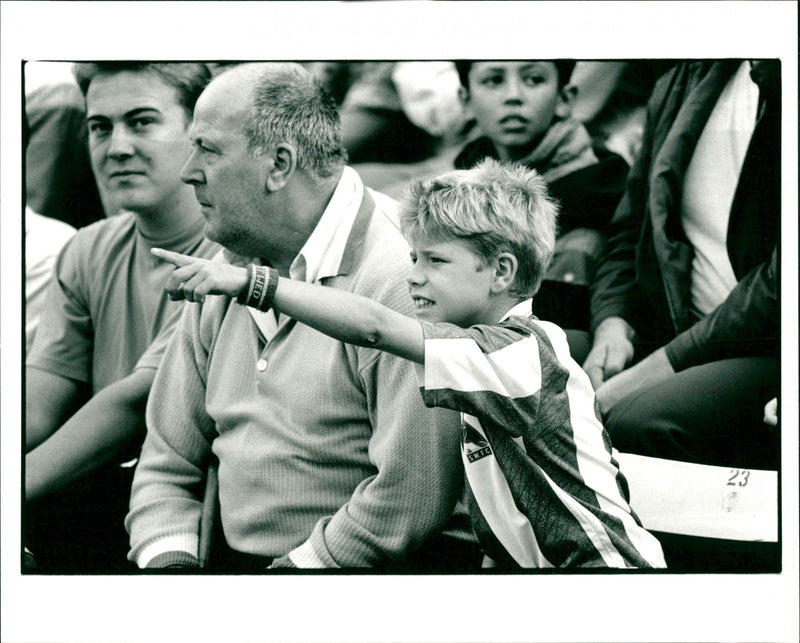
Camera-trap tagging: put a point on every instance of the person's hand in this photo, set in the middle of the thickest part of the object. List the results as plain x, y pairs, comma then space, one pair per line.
612, 350
771, 412
194, 278
654, 368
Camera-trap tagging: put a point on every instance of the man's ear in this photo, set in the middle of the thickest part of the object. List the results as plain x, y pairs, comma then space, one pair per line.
283, 163
566, 97
505, 272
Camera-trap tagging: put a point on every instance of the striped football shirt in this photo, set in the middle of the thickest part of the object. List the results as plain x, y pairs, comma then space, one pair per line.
545, 490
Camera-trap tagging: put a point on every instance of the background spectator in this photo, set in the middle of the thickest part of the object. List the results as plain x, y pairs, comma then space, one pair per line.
58, 175
612, 100
685, 307
375, 126
523, 110
44, 238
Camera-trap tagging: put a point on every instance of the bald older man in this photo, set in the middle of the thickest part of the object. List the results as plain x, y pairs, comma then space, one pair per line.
327, 457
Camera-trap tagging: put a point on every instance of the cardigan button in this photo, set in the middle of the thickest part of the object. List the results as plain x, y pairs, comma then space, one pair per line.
261, 365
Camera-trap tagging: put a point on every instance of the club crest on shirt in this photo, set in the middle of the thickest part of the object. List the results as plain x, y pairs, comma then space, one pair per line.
475, 445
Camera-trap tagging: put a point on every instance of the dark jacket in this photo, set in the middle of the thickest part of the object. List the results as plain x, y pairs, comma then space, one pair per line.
587, 196
588, 182
646, 272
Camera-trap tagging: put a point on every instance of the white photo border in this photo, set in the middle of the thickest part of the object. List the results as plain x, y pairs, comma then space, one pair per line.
398, 608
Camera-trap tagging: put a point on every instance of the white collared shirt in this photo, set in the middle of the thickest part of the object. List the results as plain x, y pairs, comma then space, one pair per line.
322, 252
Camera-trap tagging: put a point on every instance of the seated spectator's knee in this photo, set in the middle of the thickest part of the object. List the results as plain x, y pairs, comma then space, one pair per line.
635, 426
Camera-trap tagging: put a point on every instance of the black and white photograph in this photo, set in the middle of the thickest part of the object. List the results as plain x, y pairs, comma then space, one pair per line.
399, 321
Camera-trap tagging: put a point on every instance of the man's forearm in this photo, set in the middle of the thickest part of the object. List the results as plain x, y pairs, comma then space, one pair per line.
166, 503
49, 401
110, 423
745, 324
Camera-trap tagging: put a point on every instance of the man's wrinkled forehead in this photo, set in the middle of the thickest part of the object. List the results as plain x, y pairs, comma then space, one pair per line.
235, 84
221, 108
228, 93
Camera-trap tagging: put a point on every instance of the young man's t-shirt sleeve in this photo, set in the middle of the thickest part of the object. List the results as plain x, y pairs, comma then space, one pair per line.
466, 368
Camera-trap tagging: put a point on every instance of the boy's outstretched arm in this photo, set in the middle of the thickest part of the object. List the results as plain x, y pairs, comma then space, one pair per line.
350, 318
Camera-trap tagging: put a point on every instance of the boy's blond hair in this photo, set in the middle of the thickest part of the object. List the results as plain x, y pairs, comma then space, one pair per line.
496, 208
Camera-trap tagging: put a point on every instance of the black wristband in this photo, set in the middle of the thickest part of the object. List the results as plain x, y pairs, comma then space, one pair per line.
259, 285
244, 295
269, 294
262, 282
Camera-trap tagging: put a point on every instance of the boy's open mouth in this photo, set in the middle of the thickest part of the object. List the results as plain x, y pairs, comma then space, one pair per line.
421, 302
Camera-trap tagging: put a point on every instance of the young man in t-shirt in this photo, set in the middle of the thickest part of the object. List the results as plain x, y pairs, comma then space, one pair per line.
106, 320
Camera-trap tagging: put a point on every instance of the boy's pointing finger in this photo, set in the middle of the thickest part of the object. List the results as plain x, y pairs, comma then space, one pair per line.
174, 258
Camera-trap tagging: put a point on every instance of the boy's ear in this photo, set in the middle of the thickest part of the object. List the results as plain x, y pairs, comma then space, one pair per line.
566, 97
505, 272
279, 167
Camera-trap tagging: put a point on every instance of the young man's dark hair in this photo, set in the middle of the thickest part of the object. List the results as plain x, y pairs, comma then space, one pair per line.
188, 78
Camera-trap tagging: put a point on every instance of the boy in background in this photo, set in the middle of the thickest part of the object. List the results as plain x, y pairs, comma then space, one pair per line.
545, 490
524, 111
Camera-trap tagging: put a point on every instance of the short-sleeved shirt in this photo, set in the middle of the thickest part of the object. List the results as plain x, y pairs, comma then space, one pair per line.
106, 302
545, 490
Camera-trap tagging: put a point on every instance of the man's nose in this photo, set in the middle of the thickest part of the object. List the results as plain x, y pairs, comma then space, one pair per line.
190, 173
121, 144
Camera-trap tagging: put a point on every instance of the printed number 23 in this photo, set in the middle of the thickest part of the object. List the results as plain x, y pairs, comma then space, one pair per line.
738, 477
